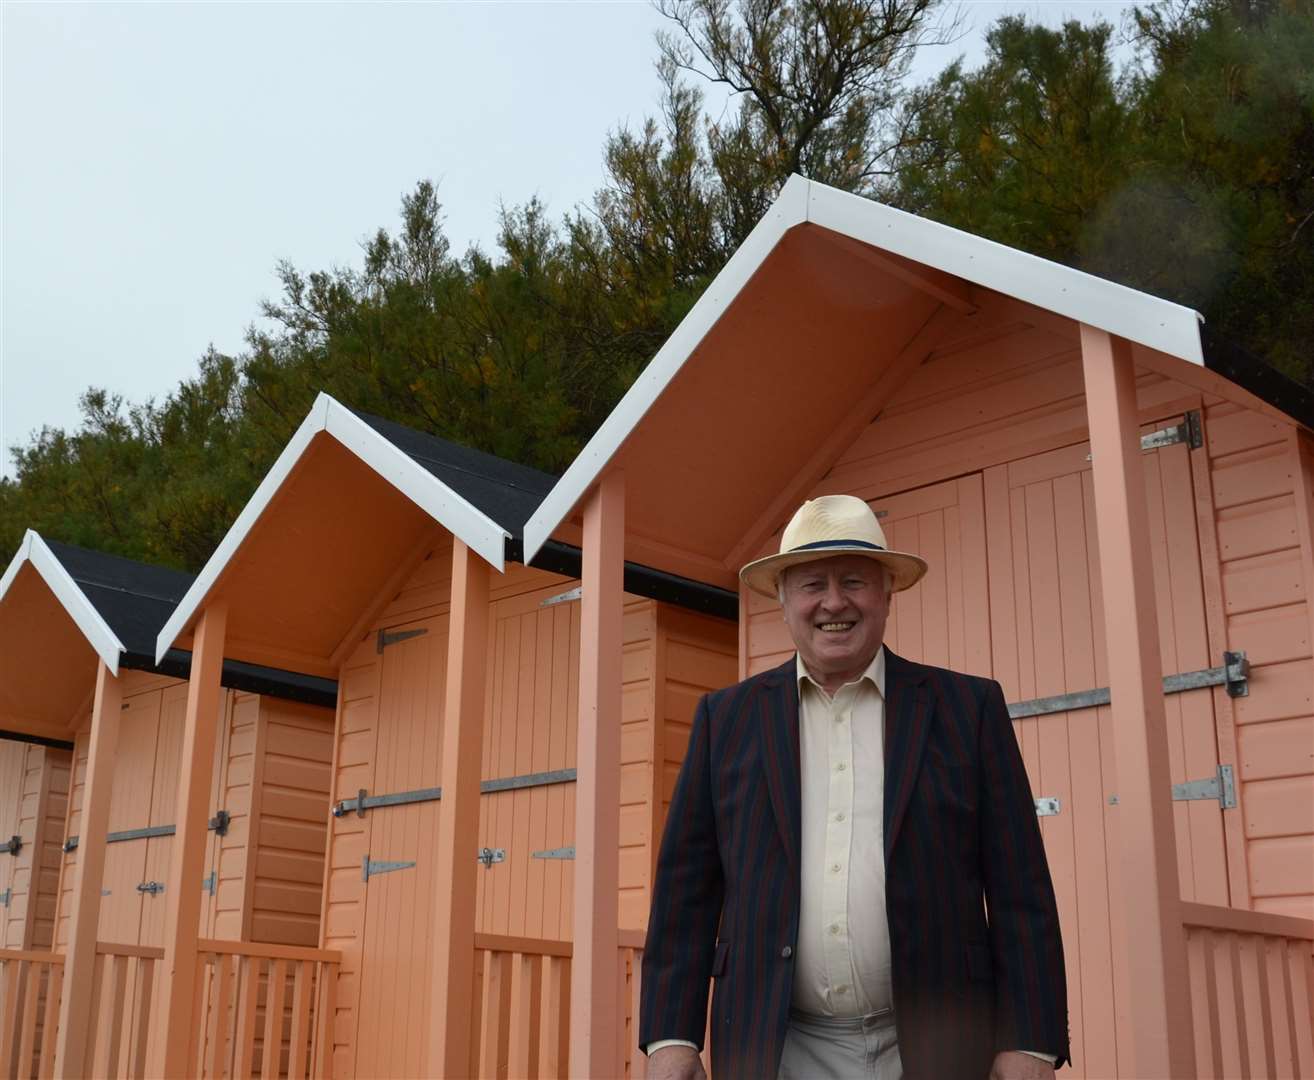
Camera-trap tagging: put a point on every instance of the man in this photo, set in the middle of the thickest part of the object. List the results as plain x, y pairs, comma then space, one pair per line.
852, 853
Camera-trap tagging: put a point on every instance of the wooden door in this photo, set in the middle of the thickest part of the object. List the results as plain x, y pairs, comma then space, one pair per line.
13, 772
533, 675
395, 965
121, 901
1048, 639
945, 618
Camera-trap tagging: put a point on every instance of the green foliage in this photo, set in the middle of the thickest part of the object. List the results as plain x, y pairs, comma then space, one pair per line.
1190, 176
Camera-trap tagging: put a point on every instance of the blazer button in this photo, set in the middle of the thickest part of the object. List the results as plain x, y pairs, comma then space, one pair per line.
787, 952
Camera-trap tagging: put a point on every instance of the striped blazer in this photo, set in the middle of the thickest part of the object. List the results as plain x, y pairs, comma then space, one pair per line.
977, 957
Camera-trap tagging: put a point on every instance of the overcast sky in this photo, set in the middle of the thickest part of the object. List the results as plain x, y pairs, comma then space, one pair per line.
158, 159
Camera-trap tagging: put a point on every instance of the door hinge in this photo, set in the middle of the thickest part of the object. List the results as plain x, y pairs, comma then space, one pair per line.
13, 845
152, 887
1221, 787
372, 868
1189, 431
563, 598
555, 853
1048, 806
392, 637
488, 856
6, 896
210, 881
220, 822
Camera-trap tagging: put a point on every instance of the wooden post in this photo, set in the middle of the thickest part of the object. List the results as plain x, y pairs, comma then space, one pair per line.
75, 1019
595, 1008
182, 891
1156, 989
458, 819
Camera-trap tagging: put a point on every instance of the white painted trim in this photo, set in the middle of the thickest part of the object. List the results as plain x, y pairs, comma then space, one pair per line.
789, 209
1134, 315
435, 498
72, 599
1128, 313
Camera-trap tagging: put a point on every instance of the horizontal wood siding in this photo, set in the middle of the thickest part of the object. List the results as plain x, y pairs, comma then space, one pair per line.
639, 673
53, 767
72, 827
1263, 489
288, 878
233, 793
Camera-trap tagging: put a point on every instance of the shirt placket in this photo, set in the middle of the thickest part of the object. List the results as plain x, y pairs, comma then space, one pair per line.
840, 991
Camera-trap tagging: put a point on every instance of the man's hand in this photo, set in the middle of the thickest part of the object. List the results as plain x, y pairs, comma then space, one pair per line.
1014, 1065
679, 1063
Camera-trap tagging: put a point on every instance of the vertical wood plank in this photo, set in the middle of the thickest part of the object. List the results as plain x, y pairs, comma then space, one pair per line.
28, 1027
107, 1054
326, 1019
221, 1003
142, 1025
80, 958
10, 983
273, 1048
638, 1059
593, 1012
1202, 1020
46, 1064
244, 1039
1162, 1035
524, 1015
496, 1003
300, 1035
98, 1034
1300, 968
1279, 996
182, 896
554, 1056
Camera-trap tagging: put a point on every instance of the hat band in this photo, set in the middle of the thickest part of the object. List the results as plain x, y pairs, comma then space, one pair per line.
817, 544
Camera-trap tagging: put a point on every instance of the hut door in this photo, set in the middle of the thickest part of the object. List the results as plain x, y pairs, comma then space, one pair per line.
130, 809
398, 853
1048, 639
945, 618
163, 809
13, 769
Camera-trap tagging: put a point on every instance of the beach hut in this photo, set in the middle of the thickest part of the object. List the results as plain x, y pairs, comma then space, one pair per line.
390, 560
64, 613
1118, 522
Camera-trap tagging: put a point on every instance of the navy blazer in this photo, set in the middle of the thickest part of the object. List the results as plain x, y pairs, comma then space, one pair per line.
974, 932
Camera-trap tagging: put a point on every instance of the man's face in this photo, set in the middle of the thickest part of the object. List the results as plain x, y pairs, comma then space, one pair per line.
836, 610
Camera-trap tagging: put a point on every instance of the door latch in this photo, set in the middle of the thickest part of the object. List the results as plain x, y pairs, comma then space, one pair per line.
152, 887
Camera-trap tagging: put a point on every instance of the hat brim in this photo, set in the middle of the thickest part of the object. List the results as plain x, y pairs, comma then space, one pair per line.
761, 575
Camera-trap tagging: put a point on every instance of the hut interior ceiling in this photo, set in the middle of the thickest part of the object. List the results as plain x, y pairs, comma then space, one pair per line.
335, 532
36, 633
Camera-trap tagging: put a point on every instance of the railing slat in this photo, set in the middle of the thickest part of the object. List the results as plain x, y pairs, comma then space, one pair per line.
525, 1014
9, 1009
554, 1055
1300, 968
638, 1060
27, 1039
269, 1068
117, 980
497, 994
299, 1040
46, 1066
327, 1019
142, 1021
220, 1005
94, 1013
244, 1040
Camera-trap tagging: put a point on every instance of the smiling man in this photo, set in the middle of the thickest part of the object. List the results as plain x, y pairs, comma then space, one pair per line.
852, 853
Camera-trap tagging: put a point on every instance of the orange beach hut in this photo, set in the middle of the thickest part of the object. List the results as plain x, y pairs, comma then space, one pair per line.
65, 613
33, 807
390, 560
1118, 519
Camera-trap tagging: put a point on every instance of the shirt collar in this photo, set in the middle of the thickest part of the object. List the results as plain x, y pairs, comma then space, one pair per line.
874, 673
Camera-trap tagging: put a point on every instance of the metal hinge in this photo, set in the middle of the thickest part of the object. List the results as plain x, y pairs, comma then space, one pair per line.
563, 598
387, 637
1048, 806
210, 882
1189, 431
488, 856
6, 896
220, 822
365, 801
152, 887
370, 868
555, 853
1221, 787
1234, 674
13, 845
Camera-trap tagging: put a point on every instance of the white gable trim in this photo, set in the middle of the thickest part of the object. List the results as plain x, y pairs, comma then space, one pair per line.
72, 599
1126, 312
456, 514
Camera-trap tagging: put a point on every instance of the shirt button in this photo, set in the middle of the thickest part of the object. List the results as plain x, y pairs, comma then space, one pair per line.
841, 989
839, 816
787, 952
840, 767
834, 928
834, 868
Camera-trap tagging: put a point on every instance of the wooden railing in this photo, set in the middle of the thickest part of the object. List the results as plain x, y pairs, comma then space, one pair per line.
29, 1011
1252, 991
264, 1010
520, 1007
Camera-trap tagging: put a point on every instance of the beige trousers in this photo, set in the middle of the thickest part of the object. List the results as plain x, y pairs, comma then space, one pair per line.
833, 1048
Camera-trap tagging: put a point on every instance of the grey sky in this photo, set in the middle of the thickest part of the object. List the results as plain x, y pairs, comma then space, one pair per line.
158, 159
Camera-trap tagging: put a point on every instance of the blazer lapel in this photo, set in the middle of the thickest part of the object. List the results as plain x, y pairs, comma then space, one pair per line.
907, 721
778, 715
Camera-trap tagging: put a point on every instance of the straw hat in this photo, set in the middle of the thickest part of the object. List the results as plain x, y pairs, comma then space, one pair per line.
826, 526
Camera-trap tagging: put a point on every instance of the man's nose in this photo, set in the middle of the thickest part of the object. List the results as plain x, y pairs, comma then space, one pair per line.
833, 600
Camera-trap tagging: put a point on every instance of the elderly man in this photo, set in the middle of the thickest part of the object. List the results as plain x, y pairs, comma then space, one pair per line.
852, 853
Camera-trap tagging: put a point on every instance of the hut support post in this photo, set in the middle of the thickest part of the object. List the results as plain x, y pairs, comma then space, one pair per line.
75, 1020
458, 821
1157, 993
594, 994
182, 895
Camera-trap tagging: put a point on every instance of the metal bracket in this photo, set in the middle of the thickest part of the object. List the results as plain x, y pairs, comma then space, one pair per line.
387, 638
488, 856
370, 868
563, 598
1233, 674
537, 779
217, 824
220, 822
152, 887
210, 881
6, 896
1048, 806
365, 801
555, 853
1221, 787
13, 845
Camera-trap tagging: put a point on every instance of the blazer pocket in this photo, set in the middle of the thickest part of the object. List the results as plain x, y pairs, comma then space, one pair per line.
718, 961
980, 966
